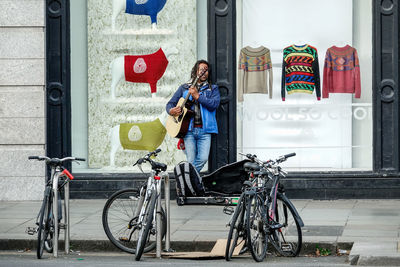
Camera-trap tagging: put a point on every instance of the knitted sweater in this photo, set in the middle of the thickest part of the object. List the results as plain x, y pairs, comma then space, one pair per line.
341, 71
255, 71
146, 68
145, 7
300, 70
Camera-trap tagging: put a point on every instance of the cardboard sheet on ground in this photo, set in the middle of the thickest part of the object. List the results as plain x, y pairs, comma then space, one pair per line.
218, 251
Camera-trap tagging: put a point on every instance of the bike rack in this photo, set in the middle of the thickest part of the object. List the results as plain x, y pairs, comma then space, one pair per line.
158, 218
67, 226
66, 218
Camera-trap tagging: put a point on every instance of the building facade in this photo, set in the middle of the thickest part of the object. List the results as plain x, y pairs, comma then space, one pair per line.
22, 98
62, 79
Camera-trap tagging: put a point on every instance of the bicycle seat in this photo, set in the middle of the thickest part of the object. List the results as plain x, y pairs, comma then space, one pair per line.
159, 166
251, 166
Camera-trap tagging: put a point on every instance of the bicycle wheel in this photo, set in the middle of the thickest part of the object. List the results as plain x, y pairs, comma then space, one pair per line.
119, 218
147, 223
256, 236
43, 230
48, 243
236, 229
287, 238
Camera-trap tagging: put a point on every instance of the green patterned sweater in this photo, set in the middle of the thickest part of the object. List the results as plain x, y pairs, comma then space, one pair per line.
300, 70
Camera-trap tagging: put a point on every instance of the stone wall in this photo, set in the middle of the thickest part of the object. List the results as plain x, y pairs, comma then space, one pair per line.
22, 106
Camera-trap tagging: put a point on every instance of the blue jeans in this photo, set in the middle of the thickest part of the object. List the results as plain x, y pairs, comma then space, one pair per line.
197, 147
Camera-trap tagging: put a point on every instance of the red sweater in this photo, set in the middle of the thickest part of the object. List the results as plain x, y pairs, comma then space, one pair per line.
341, 71
146, 68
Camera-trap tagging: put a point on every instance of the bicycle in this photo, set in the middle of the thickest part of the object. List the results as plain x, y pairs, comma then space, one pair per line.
238, 223
129, 214
48, 230
271, 215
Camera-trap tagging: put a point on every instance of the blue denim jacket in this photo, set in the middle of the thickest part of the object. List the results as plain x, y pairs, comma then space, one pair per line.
209, 102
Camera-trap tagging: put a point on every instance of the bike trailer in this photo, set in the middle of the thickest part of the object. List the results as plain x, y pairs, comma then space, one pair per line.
221, 187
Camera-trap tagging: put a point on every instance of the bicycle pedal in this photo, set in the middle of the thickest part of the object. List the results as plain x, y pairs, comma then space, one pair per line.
31, 230
123, 239
62, 225
228, 210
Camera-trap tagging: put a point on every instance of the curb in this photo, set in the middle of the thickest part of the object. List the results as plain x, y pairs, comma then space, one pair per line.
378, 260
308, 248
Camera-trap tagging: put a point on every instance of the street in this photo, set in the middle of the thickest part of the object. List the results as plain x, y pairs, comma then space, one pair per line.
28, 259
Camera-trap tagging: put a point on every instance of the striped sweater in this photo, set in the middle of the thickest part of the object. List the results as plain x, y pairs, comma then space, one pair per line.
300, 70
255, 71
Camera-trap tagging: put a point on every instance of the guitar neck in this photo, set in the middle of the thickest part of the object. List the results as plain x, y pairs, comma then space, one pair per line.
187, 96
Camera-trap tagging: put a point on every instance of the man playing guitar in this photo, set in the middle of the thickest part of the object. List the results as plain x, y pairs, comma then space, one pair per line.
204, 98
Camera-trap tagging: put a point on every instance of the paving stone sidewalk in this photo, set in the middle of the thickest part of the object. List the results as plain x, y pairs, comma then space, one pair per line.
371, 227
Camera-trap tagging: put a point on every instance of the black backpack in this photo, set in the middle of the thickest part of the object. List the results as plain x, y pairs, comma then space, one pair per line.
188, 180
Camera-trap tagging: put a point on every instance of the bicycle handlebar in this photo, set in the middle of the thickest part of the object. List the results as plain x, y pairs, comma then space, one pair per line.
285, 157
270, 162
249, 156
290, 155
55, 160
147, 157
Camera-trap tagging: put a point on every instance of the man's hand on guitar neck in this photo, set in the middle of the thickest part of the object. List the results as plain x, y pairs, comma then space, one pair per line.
193, 91
175, 111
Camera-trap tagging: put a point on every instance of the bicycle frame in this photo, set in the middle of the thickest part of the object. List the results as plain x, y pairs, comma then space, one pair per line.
272, 196
153, 183
275, 190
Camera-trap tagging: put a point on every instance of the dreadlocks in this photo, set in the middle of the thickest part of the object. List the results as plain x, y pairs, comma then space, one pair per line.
196, 67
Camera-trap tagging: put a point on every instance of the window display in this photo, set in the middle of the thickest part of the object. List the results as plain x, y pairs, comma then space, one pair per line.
126, 118
329, 134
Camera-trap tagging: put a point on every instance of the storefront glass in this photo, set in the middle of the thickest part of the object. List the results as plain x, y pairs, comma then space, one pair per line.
325, 118
117, 114
111, 116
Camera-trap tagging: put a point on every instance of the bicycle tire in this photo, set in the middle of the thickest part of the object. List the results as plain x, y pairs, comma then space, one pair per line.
43, 229
287, 240
118, 220
48, 243
148, 220
236, 229
257, 239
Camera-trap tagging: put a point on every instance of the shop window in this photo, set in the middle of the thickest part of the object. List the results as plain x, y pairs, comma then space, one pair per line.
117, 116
328, 131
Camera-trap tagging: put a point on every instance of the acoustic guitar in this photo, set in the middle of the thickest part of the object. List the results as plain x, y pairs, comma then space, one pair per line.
177, 126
